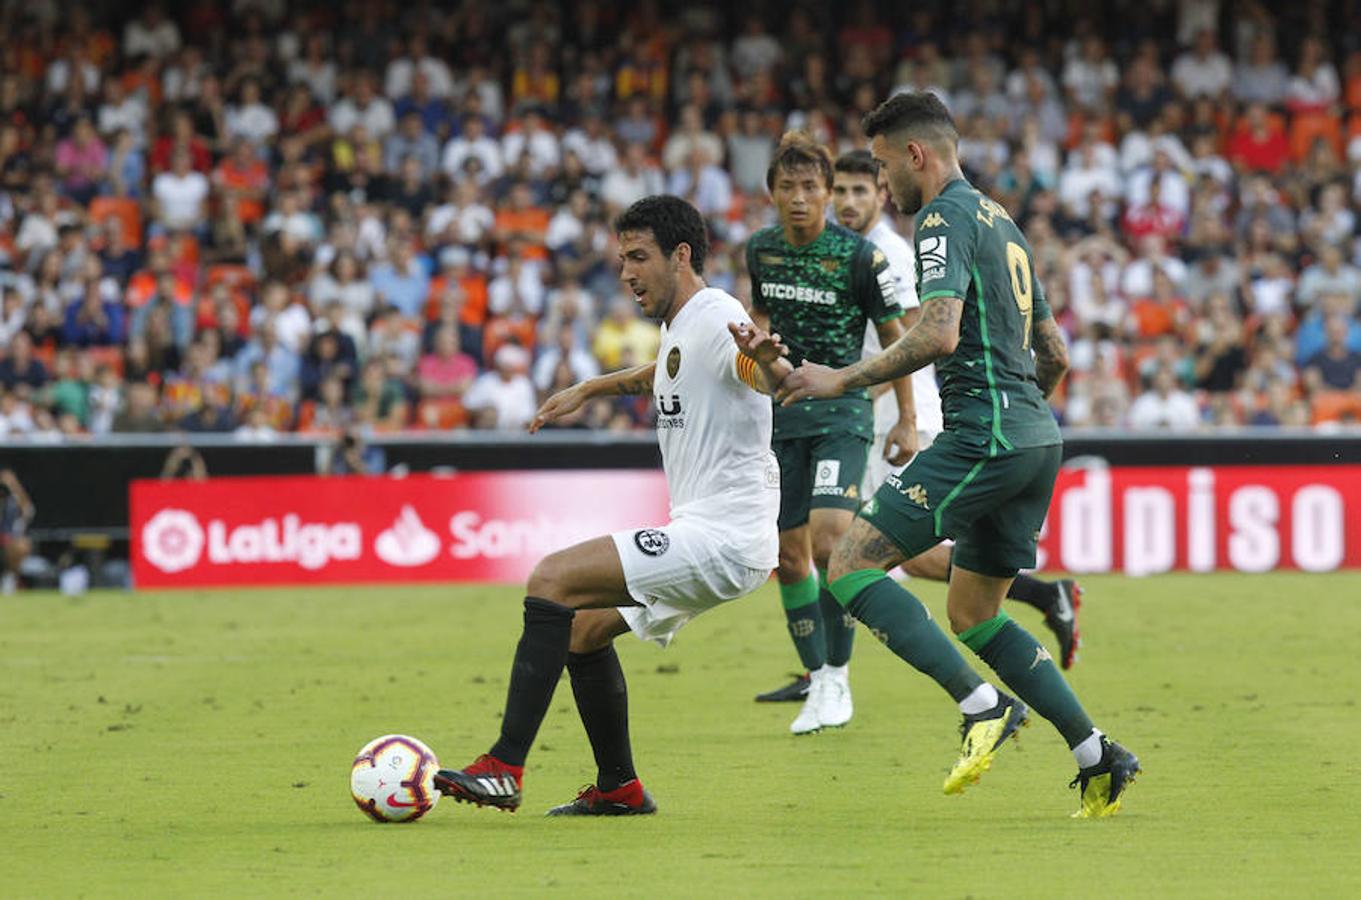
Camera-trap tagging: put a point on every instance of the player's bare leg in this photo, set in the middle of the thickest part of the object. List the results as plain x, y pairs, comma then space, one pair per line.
587, 577
1024, 665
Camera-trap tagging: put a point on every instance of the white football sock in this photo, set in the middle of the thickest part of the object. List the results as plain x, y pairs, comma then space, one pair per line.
983, 698
1088, 753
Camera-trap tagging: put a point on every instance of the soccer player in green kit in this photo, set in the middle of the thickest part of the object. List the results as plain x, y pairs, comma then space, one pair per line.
817, 284
988, 478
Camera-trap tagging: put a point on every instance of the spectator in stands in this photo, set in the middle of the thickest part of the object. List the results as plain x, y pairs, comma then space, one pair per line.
181, 197
402, 282
635, 179
624, 334
1164, 405
379, 400
363, 106
93, 321
1263, 78
503, 398
412, 141
1331, 274
564, 350
1203, 71
82, 162
1336, 366
1314, 87
446, 372
705, 185
19, 367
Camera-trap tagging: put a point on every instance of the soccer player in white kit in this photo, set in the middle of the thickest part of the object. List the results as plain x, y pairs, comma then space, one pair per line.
713, 425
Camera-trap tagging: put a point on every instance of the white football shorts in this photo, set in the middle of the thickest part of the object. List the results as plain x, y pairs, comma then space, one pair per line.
677, 571
877, 469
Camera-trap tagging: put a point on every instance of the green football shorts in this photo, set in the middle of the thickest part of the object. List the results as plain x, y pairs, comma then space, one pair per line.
819, 472
992, 506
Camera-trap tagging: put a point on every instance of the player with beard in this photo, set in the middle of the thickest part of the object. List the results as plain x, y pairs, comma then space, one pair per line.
713, 426
987, 480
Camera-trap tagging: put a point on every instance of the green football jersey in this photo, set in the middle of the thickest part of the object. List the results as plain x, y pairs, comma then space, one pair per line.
819, 298
968, 247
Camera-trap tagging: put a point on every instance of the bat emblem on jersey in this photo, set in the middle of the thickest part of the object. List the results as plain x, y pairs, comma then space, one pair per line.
673, 362
651, 541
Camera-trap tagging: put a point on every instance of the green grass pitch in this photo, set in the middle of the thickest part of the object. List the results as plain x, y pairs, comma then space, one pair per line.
198, 744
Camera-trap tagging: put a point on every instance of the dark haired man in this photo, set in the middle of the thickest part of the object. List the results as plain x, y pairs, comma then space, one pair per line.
817, 285
713, 425
988, 478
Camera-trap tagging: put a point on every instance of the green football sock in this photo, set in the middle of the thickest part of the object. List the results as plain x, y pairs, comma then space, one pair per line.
898, 619
804, 613
1027, 668
838, 624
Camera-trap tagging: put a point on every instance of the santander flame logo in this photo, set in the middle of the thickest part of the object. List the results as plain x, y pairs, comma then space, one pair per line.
408, 543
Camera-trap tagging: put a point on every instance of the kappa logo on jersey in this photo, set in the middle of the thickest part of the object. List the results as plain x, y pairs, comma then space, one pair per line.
673, 362
652, 541
935, 220
931, 256
917, 494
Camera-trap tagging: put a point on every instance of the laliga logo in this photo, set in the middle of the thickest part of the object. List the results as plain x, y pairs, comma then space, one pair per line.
172, 540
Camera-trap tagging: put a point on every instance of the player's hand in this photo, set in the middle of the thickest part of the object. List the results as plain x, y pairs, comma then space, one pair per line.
810, 381
563, 403
901, 444
755, 344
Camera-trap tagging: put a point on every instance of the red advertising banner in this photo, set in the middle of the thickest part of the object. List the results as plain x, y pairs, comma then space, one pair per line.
1141, 521
478, 526
494, 526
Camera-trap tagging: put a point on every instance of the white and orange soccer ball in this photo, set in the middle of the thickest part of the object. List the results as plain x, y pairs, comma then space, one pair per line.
393, 779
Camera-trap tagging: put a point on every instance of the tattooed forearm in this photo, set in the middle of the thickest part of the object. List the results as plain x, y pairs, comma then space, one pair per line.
1051, 355
935, 335
628, 382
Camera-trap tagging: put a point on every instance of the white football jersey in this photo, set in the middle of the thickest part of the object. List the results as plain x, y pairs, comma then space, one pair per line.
714, 431
925, 392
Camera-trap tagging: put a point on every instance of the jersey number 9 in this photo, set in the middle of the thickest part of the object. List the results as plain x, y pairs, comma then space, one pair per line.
1018, 264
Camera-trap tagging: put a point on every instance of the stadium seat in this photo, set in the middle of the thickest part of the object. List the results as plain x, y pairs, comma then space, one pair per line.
1335, 406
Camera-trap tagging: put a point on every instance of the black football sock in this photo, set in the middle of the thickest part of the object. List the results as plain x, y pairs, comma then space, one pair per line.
603, 701
539, 658
1030, 590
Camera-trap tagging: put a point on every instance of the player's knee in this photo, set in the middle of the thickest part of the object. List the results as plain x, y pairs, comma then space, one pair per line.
589, 634
793, 565
962, 617
550, 579
843, 560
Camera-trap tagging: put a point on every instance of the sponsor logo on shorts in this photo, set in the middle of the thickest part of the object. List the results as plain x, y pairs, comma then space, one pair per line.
917, 494
652, 541
825, 477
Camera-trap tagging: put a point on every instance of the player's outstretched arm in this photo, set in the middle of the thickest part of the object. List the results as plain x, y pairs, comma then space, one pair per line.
935, 335
761, 364
1051, 355
637, 380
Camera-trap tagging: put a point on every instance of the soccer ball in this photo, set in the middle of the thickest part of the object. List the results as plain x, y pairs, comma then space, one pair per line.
393, 779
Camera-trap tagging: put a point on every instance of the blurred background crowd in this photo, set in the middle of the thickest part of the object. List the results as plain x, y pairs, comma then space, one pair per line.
236, 216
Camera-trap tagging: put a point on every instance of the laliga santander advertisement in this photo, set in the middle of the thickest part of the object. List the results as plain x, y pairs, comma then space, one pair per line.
477, 526
494, 526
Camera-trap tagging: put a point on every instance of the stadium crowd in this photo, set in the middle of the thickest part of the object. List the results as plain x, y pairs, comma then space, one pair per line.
257, 216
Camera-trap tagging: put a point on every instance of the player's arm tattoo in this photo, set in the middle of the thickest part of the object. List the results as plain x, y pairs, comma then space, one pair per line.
626, 382
935, 335
1051, 355
889, 333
